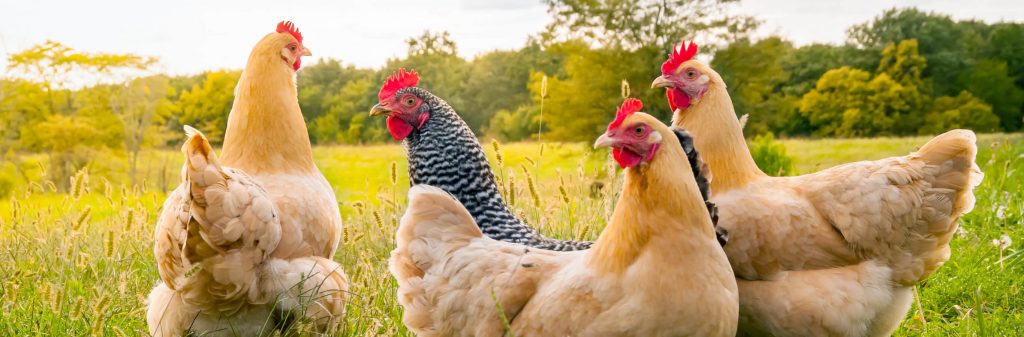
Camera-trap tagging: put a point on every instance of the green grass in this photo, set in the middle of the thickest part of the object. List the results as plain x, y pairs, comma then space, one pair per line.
81, 264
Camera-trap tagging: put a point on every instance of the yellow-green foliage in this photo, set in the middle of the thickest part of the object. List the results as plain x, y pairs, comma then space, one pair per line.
72, 266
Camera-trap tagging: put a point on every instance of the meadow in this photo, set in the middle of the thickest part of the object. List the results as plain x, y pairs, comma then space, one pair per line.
80, 262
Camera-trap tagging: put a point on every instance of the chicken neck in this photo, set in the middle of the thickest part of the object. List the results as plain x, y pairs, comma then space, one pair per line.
660, 209
718, 136
266, 133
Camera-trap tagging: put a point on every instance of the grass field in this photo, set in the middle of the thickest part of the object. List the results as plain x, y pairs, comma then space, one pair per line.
81, 263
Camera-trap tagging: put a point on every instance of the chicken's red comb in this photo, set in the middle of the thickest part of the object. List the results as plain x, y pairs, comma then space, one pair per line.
397, 81
630, 106
679, 54
289, 27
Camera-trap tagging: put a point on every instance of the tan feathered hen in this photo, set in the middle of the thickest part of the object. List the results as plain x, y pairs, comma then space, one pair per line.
214, 242
656, 270
833, 253
266, 138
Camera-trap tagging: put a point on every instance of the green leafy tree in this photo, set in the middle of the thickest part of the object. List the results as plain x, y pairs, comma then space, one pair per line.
580, 104
22, 103
143, 106
806, 64
991, 82
345, 118
434, 56
949, 46
1004, 43
961, 111
68, 141
850, 103
206, 106
514, 125
903, 63
755, 73
497, 82
54, 65
319, 83
644, 23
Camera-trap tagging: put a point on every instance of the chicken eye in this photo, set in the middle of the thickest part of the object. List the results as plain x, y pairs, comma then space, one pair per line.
409, 101
691, 73
638, 130
292, 48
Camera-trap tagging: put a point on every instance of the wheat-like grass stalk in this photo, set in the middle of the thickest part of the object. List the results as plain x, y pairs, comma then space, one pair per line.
129, 219
533, 188
77, 306
80, 184
512, 190
394, 173
583, 233
358, 206
109, 244
82, 218
497, 153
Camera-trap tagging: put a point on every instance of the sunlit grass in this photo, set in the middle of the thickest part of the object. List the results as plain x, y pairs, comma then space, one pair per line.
83, 264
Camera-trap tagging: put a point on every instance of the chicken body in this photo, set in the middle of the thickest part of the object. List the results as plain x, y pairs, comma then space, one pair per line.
656, 270
833, 253
221, 280
214, 243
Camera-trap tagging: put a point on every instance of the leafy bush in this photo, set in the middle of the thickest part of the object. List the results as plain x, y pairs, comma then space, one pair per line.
771, 156
963, 111
6, 186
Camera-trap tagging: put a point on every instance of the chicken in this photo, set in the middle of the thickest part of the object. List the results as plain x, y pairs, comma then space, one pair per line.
266, 138
833, 253
656, 270
214, 241
443, 152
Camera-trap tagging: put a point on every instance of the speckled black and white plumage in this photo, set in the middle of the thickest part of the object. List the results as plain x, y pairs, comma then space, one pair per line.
703, 175
446, 154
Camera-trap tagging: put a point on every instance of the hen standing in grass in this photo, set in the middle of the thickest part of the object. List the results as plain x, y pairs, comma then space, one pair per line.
656, 270
832, 253
444, 152
244, 248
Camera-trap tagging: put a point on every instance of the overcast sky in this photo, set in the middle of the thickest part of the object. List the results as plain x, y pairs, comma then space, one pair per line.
190, 36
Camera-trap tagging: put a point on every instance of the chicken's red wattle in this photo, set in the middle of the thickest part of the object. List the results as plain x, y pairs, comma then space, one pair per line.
626, 158
677, 99
398, 128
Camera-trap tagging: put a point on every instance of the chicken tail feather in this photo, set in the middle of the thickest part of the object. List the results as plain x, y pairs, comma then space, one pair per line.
954, 152
950, 162
434, 226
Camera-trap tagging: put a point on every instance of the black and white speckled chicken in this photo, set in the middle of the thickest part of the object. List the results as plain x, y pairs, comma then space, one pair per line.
444, 152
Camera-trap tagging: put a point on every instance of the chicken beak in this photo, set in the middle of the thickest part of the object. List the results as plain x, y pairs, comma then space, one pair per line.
662, 82
379, 109
306, 52
604, 141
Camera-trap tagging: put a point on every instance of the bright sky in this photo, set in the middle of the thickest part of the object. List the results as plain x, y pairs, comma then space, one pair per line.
190, 36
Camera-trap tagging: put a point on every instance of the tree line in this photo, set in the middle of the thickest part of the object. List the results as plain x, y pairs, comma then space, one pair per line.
904, 72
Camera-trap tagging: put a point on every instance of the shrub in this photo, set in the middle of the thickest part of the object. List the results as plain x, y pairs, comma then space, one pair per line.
6, 186
771, 156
